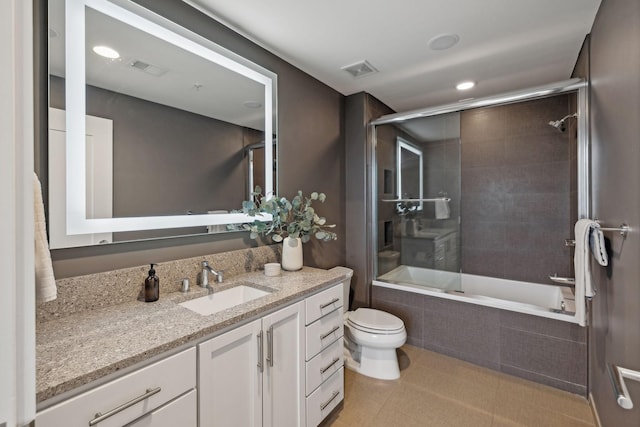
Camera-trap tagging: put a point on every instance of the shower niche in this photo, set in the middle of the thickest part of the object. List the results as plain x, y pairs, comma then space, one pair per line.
489, 188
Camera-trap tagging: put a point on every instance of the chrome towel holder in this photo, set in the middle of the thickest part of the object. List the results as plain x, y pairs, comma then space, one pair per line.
623, 229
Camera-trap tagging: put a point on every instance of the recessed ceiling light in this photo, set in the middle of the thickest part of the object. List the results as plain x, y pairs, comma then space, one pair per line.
444, 41
252, 104
465, 85
106, 51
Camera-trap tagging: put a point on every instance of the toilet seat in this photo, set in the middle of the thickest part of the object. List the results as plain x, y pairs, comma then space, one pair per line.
374, 321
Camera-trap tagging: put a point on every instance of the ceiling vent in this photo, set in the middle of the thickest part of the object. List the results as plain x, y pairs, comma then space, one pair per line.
360, 69
147, 68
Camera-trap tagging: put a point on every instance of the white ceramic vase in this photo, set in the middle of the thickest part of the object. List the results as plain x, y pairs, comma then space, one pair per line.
291, 254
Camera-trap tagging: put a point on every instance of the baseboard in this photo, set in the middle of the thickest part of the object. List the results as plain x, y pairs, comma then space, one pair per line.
594, 410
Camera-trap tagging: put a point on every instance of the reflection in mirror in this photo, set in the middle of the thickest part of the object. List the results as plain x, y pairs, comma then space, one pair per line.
420, 228
409, 168
187, 119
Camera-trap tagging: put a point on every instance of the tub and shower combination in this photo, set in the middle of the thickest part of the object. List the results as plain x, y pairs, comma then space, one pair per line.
528, 328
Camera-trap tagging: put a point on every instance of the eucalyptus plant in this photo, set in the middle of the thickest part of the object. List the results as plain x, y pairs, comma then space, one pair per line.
295, 218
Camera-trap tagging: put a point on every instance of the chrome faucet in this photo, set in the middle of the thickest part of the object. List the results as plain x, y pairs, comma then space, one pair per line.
206, 269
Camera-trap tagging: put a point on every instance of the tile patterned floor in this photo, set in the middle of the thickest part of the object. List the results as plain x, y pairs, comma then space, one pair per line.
436, 390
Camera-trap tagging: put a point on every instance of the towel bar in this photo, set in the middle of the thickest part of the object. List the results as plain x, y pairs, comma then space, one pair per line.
623, 229
617, 375
445, 199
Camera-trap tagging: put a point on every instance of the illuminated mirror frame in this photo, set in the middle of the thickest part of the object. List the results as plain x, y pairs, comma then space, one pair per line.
403, 144
144, 20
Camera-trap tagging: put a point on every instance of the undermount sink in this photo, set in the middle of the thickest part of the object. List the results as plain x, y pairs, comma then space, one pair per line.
218, 301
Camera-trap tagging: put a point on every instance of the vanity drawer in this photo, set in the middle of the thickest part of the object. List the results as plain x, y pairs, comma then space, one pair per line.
323, 332
324, 365
325, 398
323, 303
181, 412
145, 390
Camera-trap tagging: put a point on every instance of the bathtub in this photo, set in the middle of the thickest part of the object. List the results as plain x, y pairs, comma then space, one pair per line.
554, 302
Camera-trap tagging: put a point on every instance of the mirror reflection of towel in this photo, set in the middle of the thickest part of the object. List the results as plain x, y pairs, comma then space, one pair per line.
442, 209
46, 289
219, 228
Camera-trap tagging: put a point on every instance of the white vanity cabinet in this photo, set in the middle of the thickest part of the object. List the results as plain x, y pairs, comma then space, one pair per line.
152, 396
253, 375
324, 353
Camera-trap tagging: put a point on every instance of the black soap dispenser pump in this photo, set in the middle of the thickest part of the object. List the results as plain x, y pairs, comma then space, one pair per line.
152, 286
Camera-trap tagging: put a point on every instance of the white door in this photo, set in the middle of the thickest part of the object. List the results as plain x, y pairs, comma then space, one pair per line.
283, 381
230, 378
17, 290
99, 164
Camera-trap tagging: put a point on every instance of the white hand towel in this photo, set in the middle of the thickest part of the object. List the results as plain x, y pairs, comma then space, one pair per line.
582, 264
45, 281
598, 247
442, 209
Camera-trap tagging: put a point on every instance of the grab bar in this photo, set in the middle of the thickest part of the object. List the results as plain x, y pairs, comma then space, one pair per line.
569, 282
617, 375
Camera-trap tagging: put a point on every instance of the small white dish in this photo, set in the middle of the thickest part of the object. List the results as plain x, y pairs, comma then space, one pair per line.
272, 269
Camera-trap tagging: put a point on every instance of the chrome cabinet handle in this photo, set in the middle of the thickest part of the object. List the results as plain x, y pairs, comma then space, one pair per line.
101, 417
326, 368
333, 396
323, 336
270, 345
260, 351
327, 304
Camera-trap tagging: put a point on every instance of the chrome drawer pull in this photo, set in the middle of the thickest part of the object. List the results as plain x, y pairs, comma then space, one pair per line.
260, 352
326, 368
101, 417
327, 304
335, 328
333, 396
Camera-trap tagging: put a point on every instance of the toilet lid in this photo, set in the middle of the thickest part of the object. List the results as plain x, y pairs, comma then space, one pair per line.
375, 320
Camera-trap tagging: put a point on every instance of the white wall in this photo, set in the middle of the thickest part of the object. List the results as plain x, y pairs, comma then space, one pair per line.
17, 301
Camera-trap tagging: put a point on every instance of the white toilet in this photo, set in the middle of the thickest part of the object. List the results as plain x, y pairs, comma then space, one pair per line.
371, 338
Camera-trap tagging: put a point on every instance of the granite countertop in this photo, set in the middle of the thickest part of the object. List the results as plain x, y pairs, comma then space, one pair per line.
75, 350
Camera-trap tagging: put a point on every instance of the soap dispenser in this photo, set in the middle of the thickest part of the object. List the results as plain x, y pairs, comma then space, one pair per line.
152, 286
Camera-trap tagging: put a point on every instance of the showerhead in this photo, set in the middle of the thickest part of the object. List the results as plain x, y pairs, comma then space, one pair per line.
559, 124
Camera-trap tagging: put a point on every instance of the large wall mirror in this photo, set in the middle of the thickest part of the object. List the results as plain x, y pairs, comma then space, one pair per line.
163, 135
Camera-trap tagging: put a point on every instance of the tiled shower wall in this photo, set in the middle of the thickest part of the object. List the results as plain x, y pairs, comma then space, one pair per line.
547, 351
516, 192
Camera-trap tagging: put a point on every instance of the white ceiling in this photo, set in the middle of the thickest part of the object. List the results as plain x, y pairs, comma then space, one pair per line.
504, 44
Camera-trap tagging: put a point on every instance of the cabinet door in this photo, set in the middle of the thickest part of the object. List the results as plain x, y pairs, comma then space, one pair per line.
230, 379
283, 381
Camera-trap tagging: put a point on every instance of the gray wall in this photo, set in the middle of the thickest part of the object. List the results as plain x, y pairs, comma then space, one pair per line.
515, 207
615, 111
360, 109
311, 158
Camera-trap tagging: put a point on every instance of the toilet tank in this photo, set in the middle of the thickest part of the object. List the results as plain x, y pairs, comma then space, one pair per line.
346, 284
